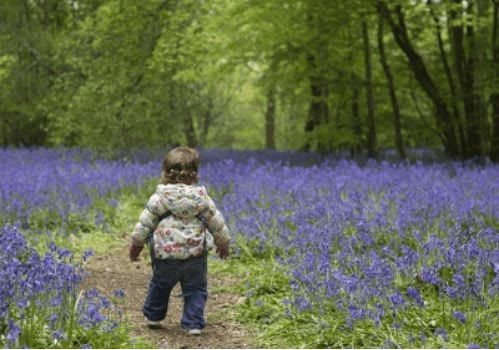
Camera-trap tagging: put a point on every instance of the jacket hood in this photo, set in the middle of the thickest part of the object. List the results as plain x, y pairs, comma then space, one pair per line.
182, 200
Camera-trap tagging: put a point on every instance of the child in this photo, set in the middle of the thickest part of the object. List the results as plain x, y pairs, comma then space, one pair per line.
181, 222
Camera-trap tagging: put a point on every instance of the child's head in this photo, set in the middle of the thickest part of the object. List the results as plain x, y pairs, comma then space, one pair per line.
180, 166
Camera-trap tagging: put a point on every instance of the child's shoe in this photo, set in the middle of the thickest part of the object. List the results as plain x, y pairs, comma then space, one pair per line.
153, 324
193, 331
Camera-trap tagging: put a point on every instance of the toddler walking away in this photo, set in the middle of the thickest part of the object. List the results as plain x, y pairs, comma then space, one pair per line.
181, 223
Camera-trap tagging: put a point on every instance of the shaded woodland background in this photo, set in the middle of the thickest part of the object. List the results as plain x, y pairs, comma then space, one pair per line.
324, 75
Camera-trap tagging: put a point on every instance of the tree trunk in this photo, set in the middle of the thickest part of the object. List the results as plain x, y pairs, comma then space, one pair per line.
465, 69
190, 132
371, 124
357, 125
418, 67
393, 96
494, 98
270, 120
318, 112
482, 72
205, 127
452, 85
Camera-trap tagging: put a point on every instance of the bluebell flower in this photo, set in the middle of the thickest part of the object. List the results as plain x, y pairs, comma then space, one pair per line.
441, 332
302, 303
452, 292
92, 293
396, 299
389, 344
59, 335
53, 319
459, 316
22, 303
87, 254
414, 293
105, 303
119, 293
63, 252
56, 301
13, 332
430, 276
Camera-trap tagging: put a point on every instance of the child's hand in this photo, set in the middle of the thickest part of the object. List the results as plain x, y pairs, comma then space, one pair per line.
223, 252
134, 252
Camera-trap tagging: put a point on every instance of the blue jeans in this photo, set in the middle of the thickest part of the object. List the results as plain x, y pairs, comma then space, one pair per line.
192, 275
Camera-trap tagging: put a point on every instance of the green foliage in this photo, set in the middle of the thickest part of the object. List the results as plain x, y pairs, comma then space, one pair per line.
120, 73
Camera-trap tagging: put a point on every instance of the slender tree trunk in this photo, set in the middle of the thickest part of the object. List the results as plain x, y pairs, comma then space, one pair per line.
371, 123
206, 119
5, 131
399, 144
465, 68
418, 67
190, 132
270, 120
482, 72
318, 112
452, 85
494, 98
357, 124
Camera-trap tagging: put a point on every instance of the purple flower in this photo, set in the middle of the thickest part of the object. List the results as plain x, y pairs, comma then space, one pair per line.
53, 319
119, 293
396, 299
473, 346
458, 280
59, 335
414, 294
355, 312
452, 292
459, 316
22, 303
13, 332
302, 303
441, 332
430, 276
389, 344
87, 254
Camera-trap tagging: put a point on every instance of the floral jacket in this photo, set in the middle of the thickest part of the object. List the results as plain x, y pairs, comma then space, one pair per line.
182, 234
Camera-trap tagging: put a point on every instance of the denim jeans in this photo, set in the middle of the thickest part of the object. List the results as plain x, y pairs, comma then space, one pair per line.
192, 275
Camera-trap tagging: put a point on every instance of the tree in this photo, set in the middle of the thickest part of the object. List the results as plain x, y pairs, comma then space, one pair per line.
494, 98
391, 89
422, 75
371, 123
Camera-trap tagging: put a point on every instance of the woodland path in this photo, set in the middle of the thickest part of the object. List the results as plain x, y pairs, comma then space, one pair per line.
113, 270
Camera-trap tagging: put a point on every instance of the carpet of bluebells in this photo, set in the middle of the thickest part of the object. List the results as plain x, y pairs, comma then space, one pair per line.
41, 304
377, 243
60, 183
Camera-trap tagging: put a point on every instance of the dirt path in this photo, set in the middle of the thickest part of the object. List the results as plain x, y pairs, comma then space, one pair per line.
113, 271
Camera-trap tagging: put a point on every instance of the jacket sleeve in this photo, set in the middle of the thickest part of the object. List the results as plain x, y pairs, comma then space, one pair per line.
148, 220
216, 223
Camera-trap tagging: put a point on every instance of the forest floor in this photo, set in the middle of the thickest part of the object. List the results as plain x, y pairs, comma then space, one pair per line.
113, 270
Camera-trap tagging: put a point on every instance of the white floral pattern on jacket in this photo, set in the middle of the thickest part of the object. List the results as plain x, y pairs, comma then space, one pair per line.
181, 234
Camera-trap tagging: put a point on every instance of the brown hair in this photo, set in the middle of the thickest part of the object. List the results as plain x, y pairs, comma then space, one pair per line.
180, 166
